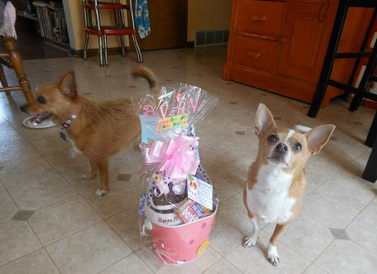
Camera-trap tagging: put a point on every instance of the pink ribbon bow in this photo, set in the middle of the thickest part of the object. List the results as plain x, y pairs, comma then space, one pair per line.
177, 157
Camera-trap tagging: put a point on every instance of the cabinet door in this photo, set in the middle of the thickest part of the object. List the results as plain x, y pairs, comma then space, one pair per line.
305, 39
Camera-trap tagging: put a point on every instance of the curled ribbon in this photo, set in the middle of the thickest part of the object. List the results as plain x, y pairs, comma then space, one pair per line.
176, 157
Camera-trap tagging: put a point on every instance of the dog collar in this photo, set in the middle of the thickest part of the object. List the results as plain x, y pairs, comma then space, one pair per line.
65, 125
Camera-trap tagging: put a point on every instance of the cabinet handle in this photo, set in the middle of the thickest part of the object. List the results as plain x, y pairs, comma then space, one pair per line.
258, 18
254, 54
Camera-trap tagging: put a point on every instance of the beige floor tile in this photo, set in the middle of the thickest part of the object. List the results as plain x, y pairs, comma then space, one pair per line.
208, 258
223, 267
41, 194
88, 251
126, 224
66, 162
37, 262
16, 152
321, 167
225, 184
115, 202
221, 155
16, 240
62, 219
7, 207
348, 189
313, 269
253, 260
305, 237
27, 173
240, 166
362, 229
84, 186
130, 264
235, 203
347, 257
328, 211
230, 230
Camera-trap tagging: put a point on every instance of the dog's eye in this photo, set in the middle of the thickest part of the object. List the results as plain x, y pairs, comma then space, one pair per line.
42, 100
272, 138
297, 146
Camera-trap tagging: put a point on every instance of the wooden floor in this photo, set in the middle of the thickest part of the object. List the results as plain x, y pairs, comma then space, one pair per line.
32, 46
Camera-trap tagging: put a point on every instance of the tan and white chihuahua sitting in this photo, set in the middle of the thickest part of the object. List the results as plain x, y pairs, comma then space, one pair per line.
276, 180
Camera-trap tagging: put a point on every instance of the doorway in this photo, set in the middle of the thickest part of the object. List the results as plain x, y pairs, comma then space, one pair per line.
168, 25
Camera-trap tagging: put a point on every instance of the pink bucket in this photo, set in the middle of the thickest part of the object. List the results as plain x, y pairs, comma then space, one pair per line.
182, 243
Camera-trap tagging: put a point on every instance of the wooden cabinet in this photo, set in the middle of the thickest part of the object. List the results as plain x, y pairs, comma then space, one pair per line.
280, 46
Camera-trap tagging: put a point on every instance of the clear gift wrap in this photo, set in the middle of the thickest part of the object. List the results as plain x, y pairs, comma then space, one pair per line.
178, 204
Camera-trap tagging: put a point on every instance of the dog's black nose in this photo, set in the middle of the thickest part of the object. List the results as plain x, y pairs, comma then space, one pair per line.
24, 108
282, 148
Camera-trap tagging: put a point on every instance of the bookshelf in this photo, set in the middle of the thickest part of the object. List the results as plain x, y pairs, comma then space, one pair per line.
49, 17
52, 23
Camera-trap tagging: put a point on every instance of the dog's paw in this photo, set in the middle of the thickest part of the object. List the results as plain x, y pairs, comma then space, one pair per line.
250, 241
88, 176
272, 255
101, 193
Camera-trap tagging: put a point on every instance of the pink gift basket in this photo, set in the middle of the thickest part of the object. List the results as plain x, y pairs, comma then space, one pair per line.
177, 205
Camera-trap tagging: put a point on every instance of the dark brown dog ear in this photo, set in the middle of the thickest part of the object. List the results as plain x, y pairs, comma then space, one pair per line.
67, 84
263, 120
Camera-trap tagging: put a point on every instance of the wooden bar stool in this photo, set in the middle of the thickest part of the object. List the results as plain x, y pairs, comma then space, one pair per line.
362, 90
12, 59
95, 27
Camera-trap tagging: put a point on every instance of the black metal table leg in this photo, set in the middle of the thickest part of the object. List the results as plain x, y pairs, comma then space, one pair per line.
372, 135
370, 171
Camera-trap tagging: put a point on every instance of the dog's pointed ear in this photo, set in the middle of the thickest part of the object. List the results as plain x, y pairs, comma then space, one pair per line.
67, 84
263, 120
318, 137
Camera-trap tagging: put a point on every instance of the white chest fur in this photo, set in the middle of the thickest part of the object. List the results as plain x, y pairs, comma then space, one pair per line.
269, 198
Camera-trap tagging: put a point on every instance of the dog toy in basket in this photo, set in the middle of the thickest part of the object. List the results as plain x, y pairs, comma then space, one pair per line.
177, 205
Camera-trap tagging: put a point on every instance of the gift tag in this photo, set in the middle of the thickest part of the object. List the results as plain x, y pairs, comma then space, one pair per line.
172, 122
200, 191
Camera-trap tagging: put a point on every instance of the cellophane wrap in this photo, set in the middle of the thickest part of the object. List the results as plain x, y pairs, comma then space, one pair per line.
177, 204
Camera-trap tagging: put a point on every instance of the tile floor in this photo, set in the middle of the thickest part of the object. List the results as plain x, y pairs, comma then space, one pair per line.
51, 221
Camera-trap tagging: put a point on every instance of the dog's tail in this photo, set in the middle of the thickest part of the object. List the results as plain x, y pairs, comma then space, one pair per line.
147, 74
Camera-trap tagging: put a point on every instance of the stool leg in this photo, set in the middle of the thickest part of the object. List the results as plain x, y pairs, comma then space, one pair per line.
136, 44
329, 59
15, 58
137, 48
365, 81
105, 50
122, 45
86, 42
100, 52
3, 80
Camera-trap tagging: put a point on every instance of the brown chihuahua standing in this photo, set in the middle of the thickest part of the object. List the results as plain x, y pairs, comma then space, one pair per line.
98, 130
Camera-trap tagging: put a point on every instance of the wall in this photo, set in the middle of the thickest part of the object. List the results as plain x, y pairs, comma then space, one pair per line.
207, 15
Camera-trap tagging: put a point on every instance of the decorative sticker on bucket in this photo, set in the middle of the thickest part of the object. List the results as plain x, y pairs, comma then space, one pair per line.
200, 191
202, 248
